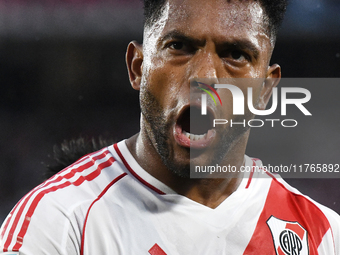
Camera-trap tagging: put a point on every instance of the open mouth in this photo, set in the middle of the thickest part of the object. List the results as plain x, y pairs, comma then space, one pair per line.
194, 129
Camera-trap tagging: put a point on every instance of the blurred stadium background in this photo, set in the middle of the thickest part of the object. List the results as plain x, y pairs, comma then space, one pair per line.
62, 74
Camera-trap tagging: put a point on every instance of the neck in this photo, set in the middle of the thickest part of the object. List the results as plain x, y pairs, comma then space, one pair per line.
209, 192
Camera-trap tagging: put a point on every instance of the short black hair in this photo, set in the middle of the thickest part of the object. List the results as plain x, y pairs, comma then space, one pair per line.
274, 10
72, 150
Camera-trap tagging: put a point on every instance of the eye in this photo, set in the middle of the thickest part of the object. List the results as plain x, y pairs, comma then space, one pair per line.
176, 45
235, 56
238, 55
180, 48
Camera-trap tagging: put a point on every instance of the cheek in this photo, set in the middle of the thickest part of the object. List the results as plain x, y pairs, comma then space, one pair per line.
256, 94
228, 98
161, 83
168, 82
256, 71
226, 110
255, 97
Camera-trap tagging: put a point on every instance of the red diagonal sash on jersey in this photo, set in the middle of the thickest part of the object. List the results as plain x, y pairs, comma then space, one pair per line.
289, 206
156, 250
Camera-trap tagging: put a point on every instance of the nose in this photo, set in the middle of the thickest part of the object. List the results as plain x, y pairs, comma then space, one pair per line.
205, 67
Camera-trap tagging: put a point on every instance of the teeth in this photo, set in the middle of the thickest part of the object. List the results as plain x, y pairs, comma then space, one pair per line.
194, 137
186, 134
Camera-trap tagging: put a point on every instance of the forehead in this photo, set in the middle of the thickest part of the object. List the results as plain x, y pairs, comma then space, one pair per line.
212, 17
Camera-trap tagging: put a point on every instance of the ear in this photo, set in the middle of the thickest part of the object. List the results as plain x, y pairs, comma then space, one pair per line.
272, 80
134, 63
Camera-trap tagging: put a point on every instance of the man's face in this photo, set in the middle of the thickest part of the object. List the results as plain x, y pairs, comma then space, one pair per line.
198, 39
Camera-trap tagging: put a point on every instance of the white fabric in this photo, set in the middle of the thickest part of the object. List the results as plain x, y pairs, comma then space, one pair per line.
122, 215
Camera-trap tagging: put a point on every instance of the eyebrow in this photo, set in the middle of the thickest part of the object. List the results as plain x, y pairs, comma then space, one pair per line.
175, 34
242, 44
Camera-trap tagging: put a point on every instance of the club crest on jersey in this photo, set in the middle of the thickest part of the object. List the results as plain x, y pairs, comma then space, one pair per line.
290, 238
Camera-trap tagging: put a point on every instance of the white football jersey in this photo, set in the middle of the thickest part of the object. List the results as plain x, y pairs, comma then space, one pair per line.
105, 203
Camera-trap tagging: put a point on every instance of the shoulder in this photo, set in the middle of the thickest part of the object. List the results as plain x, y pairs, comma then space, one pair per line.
334, 221
321, 222
286, 210
57, 208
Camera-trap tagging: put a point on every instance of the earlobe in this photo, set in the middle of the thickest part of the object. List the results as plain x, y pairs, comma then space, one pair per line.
272, 80
134, 63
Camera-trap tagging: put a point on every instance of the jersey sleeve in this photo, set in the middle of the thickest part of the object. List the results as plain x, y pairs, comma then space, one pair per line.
49, 230
331, 240
50, 218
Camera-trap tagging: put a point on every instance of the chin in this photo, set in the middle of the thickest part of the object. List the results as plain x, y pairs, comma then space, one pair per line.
179, 170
